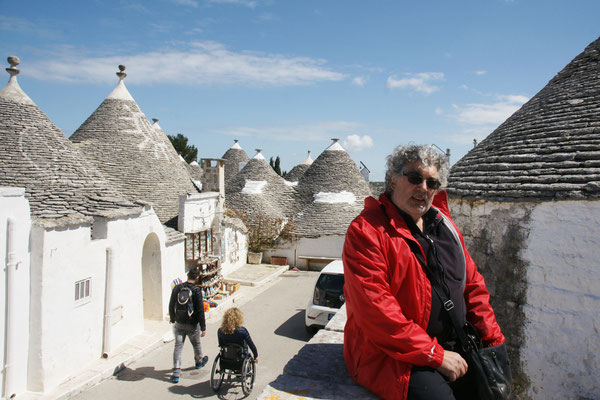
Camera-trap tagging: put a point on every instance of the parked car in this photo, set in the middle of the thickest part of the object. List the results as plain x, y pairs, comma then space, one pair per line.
328, 296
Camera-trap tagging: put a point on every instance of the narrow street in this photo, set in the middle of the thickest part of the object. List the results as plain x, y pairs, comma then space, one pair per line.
275, 320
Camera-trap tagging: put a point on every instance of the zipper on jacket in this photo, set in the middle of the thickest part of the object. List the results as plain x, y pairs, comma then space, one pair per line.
439, 264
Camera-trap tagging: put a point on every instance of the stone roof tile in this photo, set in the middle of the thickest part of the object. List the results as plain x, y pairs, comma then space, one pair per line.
546, 150
136, 157
59, 183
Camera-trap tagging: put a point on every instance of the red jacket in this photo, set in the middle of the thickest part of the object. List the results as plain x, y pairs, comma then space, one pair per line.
388, 301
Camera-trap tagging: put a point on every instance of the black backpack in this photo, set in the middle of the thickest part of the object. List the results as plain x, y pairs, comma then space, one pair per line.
184, 308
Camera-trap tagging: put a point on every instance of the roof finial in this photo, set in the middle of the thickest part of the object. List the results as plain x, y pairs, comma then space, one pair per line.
335, 140
154, 120
258, 150
13, 61
122, 75
235, 140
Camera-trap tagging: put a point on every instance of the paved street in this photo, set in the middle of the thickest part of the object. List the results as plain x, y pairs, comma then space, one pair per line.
274, 315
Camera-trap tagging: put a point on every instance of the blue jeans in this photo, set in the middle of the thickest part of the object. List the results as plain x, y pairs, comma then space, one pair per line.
180, 331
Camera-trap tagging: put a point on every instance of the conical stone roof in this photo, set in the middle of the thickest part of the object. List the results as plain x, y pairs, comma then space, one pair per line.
299, 170
331, 194
136, 157
548, 149
257, 191
233, 157
59, 183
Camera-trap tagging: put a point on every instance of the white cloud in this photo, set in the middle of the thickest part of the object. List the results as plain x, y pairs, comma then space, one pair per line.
489, 114
38, 28
187, 3
198, 63
355, 143
439, 111
359, 81
479, 73
247, 3
420, 82
467, 135
320, 131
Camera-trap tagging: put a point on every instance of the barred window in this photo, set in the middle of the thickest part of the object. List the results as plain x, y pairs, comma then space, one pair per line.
83, 290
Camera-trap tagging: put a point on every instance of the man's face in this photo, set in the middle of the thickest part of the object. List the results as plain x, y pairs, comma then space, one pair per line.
411, 198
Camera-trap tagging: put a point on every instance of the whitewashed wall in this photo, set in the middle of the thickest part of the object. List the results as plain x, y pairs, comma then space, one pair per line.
324, 246
197, 211
549, 252
173, 266
15, 207
67, 335
561, 354
234, 250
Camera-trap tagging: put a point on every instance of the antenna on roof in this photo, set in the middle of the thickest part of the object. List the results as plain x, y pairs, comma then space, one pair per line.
446, 153
122, 75
13, 61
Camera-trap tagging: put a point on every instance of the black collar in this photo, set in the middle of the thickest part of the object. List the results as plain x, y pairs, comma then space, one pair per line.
430, 219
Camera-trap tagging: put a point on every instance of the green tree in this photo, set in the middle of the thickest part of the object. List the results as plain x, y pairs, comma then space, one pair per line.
276, 165
180, 143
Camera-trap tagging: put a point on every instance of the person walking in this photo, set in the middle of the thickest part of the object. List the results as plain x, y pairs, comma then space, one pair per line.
399, 341
186, 311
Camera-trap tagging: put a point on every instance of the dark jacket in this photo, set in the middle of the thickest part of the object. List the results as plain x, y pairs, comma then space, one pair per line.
240, 336
197, 316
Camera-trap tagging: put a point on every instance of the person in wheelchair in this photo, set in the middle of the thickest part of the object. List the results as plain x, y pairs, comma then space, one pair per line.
232, 331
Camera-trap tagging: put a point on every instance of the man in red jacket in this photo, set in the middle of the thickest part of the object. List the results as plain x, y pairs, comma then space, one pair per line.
399, 341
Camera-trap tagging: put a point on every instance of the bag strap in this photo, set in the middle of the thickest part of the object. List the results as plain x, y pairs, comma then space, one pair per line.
439, 290
447, 303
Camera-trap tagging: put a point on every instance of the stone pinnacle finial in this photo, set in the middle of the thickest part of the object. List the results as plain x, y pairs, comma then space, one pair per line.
258, 150
309, 153
235, 140
154, 120
13, 61
335, 140
121, 74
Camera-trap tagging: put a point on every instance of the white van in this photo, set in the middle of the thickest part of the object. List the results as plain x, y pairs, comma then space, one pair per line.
328, 296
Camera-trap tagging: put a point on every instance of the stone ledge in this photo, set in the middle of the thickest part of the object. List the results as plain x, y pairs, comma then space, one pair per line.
318, 371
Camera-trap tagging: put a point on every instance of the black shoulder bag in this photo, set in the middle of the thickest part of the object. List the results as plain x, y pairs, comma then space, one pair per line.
489, 364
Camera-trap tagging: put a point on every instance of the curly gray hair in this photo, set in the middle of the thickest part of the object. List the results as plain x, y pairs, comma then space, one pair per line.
425, 154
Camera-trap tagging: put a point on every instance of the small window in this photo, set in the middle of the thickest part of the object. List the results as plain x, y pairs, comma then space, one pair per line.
83, 290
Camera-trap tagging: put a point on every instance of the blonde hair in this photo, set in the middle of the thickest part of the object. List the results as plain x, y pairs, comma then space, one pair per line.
232, 320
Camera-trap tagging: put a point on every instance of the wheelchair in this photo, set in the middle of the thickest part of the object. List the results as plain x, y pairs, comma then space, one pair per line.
233, 360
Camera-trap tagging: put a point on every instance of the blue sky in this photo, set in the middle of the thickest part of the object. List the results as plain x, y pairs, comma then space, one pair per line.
287, 76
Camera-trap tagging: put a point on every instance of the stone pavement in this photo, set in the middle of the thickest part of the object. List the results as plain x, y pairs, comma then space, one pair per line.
318, 371
250, 276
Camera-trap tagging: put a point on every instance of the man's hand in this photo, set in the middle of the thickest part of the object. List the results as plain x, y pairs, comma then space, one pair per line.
453, 365
256, 360
203, 333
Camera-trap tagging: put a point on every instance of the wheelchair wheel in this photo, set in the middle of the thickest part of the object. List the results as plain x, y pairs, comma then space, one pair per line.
248, 375
216, 375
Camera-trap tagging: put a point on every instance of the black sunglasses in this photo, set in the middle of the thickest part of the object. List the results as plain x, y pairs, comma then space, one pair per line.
416, 179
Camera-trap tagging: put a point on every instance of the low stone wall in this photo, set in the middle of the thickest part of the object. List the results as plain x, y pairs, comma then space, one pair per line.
318, 371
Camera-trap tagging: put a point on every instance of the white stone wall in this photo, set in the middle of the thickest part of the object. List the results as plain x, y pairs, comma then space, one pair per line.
561, 355
559, 336
67, 335
15, 333
234, 250
324, 246
197, 212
